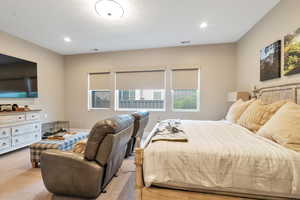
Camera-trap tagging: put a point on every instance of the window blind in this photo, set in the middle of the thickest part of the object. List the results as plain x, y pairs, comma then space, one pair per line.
100, 81
184, 79
140, 80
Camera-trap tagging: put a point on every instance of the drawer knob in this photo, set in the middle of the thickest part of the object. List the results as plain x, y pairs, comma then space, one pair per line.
4, 133
3, 144
17, 130
17, 140
36, 127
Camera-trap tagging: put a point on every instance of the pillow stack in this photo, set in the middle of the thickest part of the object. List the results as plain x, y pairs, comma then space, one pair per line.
284, 127
258, 113
279, 121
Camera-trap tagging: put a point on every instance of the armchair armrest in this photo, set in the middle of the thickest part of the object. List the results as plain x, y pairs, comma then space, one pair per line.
69, 173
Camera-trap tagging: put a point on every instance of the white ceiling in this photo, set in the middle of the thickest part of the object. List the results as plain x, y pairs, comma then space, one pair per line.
146, 23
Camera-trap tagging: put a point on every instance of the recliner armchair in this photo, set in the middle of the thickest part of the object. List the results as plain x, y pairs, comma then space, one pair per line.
87, 175
141, 119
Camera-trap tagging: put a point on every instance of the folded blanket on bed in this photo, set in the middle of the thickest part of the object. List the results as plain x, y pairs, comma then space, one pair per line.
170, 130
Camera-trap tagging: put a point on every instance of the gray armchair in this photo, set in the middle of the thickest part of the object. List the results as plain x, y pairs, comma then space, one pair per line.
87, 175
141, 119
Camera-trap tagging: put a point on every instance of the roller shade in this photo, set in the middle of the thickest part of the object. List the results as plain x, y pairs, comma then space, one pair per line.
140, 80
100, 81
185, 79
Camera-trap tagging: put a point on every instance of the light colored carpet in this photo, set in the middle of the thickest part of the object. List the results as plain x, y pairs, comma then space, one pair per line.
19, 181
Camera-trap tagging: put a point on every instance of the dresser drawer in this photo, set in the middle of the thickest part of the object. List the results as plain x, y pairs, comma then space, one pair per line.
11, 119
4, 132
5, 143
33, 116
19, 130
25, 139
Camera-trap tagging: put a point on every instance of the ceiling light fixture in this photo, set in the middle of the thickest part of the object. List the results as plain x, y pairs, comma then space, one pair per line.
203, 25
185, 42
109, 9
67, 39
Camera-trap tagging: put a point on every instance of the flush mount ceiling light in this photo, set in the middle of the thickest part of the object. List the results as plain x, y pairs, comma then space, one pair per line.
67, 39
203, 25
109, 9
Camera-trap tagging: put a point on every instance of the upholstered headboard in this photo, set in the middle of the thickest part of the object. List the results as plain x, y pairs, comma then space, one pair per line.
270, 94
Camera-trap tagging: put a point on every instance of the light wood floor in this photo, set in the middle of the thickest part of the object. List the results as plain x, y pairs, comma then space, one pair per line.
18, 181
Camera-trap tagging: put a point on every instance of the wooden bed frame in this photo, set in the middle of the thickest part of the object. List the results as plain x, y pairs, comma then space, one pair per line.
268, 94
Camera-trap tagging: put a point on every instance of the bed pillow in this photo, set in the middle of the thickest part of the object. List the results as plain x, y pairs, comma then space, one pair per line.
236, 110
284, 127
258, 113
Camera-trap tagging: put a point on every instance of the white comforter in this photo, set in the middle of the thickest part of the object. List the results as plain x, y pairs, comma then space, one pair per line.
224, 157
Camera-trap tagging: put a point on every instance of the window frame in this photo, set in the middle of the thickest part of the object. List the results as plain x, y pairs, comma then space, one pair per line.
90, 99
139, 109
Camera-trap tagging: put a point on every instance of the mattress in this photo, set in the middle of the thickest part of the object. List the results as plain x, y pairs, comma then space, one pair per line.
221, 156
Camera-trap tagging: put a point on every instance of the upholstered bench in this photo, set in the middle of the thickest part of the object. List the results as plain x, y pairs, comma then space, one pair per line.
65, 145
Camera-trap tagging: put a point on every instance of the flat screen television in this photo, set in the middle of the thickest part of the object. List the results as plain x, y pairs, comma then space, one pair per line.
18, 78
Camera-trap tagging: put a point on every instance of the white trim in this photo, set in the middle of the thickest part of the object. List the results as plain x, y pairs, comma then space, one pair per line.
90, 109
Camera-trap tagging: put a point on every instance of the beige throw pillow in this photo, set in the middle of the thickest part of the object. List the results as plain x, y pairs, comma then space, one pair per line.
236, 110
284, 127
257, 114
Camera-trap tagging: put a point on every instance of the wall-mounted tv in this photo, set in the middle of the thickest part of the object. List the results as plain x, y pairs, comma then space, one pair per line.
18, 78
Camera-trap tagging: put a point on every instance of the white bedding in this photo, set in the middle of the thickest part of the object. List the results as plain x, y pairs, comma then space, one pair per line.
221, 156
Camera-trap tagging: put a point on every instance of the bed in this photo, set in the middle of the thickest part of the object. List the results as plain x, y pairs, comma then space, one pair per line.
220, 158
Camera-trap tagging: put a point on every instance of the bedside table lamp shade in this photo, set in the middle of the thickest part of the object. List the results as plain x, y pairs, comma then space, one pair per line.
234, 96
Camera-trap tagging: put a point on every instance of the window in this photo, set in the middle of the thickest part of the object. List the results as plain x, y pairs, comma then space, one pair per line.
100, 99
185, 99
142, 99
185, 92
157, 95
140, 90
99, 91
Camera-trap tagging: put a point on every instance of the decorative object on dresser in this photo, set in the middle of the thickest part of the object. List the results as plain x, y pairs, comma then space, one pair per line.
234, 96
292, 53
6, 108
19, 129
270, 61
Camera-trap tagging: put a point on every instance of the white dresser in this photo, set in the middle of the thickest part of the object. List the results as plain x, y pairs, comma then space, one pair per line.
19, 129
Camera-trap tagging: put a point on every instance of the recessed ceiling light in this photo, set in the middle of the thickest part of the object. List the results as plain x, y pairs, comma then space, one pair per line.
109, 9
203, 25
185, 42
67, 39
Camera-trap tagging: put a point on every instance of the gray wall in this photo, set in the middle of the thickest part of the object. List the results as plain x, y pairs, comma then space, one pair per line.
217, 63
50, 75
282, 19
